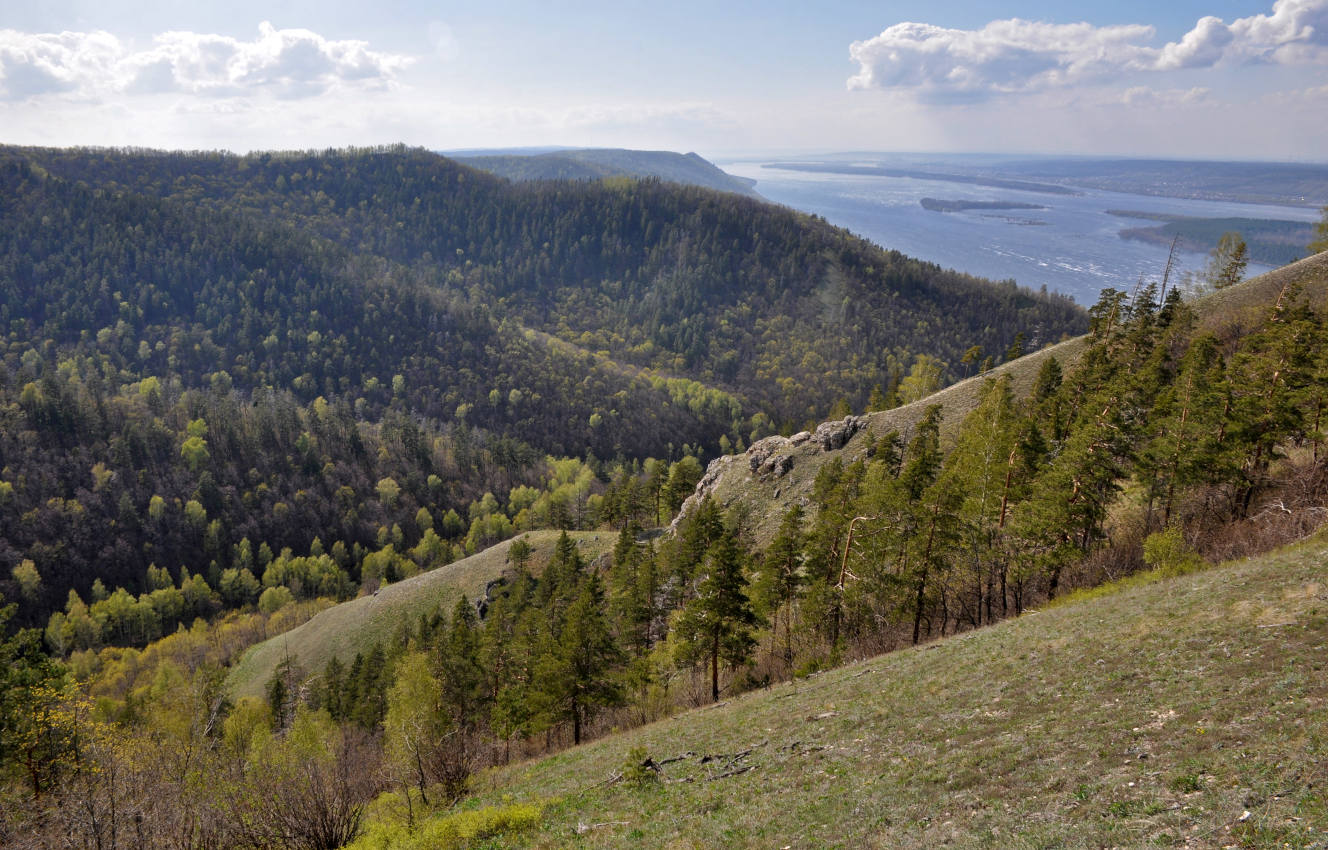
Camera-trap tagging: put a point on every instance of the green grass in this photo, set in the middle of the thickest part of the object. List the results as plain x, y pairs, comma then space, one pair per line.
355, 626
1184, 712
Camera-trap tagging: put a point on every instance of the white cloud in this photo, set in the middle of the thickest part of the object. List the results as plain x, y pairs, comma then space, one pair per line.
1146, 96
1003, 56
1201, 47
288, 63
1019, 56
1295, 33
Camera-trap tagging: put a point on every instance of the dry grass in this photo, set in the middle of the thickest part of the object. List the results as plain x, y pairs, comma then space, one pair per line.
357, 625
1185, 712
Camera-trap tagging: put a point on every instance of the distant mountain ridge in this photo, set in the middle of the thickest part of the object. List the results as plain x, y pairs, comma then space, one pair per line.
598, 163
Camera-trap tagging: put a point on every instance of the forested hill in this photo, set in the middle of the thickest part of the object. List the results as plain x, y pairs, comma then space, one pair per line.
780, 309
598, 163
197, 390
168, 290
209, 359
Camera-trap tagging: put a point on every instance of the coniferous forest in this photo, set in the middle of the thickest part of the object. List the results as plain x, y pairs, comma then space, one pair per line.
238, 390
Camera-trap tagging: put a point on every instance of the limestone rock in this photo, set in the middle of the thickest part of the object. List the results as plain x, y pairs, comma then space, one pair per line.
835, 435
761, 450
779, 466
704, 487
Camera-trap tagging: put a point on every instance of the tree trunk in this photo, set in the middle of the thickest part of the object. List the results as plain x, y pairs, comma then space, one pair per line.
917, 608
922, 579
714, 669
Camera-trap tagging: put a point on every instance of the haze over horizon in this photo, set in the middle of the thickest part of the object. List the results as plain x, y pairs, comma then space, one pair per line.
1189, 79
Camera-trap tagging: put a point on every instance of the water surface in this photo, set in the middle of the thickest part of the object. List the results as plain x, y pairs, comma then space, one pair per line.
1072, 246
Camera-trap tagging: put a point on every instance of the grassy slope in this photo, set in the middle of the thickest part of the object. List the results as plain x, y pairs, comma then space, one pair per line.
1158, 715
1228, 311
357, 625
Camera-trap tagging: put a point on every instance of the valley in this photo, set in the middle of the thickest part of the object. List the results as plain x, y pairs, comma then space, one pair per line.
376, 508
681, 425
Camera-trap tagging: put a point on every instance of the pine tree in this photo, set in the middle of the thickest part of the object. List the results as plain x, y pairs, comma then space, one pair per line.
576, 671
923, 459
561, 577
511, 640
1068, 501
1183, 447
982, 467
717, 623
780, 578
1267, 380
465, 681
834, 494
333, 690
1227, 262
927, 565
632, 589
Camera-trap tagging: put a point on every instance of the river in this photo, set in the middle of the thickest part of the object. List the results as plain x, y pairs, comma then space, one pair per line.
1072, 246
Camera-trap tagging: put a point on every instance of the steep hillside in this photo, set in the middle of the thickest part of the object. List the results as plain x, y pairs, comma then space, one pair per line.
765, 495
598, 163
180, 386
1183, 712
783, 311
357, 625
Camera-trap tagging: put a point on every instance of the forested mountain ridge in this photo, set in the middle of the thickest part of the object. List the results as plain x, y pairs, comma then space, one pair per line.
784, 311
178, 382
599, 163
271, 305
204, 350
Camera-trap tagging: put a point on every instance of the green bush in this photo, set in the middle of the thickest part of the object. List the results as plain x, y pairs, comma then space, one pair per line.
635, 771
449, 831
1168, 553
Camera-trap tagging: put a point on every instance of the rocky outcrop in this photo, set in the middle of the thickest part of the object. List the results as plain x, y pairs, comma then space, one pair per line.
704, 487
760, 451
778, 466
764, 459
771, 457
491, 591
835, 435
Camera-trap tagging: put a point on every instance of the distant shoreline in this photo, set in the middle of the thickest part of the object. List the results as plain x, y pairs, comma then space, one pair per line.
1272, 242
940, 205
881, 171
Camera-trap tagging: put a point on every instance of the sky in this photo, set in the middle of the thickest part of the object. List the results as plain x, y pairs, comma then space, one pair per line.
1237, 79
